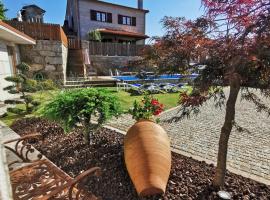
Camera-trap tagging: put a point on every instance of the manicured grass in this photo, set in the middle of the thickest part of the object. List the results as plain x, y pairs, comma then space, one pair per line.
169, 101
43, 97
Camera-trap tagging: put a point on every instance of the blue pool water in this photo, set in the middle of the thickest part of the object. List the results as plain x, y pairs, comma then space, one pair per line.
161, 77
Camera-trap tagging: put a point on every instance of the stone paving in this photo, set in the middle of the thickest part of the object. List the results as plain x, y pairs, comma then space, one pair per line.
3, 108
249, 153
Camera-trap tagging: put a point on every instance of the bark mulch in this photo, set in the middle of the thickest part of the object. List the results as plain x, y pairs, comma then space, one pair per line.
189, 179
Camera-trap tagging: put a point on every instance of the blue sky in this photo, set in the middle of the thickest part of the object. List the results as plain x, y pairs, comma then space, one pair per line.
158, 9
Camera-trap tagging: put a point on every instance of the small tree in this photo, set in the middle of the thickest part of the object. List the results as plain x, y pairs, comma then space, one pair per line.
3, 11
94, 36
232, 42
79, 106
21, 85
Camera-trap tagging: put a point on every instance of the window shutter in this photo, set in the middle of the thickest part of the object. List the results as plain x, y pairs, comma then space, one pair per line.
109, 17
93, 15
120, 19
134, 23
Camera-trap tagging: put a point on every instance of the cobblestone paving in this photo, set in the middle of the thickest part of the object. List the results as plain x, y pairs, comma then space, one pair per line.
198, 136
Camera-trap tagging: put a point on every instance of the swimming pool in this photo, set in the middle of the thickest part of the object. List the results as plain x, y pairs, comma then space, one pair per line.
160, 77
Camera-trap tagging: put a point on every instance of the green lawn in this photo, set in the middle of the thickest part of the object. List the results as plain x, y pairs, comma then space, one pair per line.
43, 97
169, 101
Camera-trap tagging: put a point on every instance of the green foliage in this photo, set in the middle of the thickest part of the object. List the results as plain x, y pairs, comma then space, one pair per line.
148, 108
79, 106
23, 86
14, 79
94, 36
31, 85
34, 85
3, 11
46, 85
17, 111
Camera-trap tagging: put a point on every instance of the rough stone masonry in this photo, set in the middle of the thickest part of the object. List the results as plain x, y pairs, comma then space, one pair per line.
48, 58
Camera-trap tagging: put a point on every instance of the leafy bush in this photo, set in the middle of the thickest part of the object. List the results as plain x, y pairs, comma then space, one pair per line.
31, 85
94, 36
23, 86
79, 106
148, 107
46, 85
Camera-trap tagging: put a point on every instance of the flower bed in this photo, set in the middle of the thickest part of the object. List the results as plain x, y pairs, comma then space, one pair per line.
189, 179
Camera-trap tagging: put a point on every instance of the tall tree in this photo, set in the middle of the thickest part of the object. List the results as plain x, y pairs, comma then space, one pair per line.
232, 42
3, 10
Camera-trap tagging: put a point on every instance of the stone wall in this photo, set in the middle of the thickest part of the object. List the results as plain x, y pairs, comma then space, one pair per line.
46, 57
103, 65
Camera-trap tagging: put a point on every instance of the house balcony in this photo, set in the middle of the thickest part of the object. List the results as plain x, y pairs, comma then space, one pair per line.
114, 49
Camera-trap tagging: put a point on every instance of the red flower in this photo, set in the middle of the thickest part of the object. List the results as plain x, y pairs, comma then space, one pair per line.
158, 111
154, 102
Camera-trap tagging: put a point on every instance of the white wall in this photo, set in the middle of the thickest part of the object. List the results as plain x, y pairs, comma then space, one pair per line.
5, 70
87, 24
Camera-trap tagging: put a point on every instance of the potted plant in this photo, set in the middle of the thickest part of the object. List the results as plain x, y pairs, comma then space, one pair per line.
147, 149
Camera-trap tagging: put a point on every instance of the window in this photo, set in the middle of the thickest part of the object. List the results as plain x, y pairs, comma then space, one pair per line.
101, 16
127, 20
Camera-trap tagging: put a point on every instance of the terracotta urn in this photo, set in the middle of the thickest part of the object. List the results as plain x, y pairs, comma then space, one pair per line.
148, 157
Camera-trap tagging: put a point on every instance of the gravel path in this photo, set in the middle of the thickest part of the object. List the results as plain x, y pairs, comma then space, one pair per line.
249, 152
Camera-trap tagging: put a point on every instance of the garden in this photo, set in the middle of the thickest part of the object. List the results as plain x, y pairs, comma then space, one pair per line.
70, 122
141, 163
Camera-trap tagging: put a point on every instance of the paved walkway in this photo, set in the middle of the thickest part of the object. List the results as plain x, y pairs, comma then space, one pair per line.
3, 108
249, 153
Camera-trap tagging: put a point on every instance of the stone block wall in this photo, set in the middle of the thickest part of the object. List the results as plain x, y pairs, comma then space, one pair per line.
46, 57
103, 64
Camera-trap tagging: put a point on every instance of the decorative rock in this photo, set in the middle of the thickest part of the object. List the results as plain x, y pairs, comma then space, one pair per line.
224, 195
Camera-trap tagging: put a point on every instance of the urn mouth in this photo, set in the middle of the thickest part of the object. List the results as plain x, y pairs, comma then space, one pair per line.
145, 120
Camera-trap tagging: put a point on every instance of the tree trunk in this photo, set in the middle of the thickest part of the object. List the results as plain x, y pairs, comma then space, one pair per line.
87, 129
219, 178
86, 134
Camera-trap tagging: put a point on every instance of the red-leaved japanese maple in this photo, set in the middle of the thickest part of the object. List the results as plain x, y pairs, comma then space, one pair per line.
232, 42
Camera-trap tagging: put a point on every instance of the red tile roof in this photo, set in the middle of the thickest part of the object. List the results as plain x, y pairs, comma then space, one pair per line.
123, 33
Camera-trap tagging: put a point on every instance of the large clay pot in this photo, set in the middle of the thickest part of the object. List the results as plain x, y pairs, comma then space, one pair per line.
148, 157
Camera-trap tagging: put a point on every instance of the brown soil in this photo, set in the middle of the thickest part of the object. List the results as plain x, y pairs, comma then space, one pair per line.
189, 179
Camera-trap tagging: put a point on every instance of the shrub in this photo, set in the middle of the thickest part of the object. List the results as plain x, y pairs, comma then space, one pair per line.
79, 106
46, 85
94, 36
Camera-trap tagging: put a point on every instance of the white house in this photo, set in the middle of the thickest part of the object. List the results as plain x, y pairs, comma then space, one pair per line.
10, 39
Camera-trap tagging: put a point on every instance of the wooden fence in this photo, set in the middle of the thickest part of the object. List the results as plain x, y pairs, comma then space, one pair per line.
74, 43
41, 31
114, 49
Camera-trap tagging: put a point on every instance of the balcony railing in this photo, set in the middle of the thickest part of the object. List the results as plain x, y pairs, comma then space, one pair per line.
114, 49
